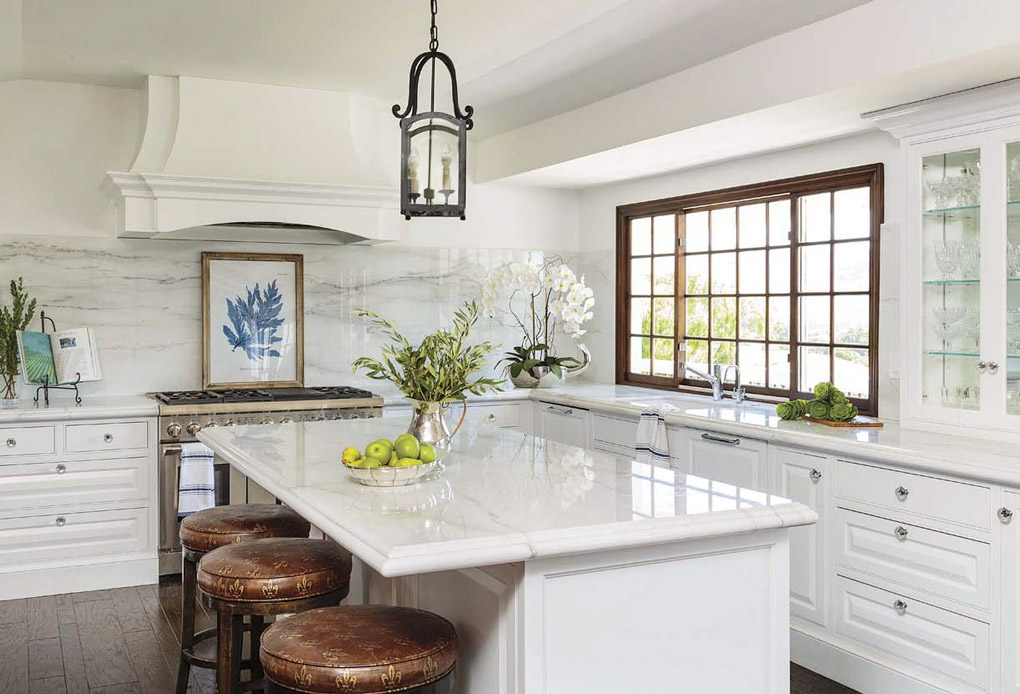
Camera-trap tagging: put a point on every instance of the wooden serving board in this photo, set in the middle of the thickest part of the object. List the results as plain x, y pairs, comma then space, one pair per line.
855, 423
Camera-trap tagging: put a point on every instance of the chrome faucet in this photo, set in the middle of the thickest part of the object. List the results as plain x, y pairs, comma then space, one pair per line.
717, 379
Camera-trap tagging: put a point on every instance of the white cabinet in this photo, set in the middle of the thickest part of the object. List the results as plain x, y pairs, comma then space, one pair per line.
735, 460
1009, 517
960, 258
562, 423
805, 477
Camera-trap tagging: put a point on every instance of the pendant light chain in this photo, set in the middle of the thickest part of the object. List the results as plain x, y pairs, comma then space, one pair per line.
434, 32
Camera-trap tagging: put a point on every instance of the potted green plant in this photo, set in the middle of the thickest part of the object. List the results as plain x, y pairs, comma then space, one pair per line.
12, 319
440, 370
541, 297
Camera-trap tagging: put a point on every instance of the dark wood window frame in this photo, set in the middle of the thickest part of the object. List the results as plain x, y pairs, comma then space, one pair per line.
870, 176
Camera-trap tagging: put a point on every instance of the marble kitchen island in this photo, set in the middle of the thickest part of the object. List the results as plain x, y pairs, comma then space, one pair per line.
563, 569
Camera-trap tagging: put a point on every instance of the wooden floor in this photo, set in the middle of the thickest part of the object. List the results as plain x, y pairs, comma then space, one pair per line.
124, 641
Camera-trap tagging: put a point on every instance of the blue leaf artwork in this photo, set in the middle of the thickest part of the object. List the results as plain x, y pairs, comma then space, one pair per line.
255, 320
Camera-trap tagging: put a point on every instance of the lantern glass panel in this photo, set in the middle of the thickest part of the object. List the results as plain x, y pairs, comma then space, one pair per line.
433, 168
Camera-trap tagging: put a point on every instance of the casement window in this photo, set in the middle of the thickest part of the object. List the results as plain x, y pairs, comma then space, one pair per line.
779, 278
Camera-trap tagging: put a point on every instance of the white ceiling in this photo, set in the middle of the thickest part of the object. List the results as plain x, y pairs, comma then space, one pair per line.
518, 61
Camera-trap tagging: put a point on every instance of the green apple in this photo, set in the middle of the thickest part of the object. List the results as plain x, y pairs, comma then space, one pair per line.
407, 462
379, 449
350, 454
427, 454
366, 462
407, 446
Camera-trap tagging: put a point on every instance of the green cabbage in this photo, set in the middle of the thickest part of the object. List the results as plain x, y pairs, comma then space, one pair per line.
818, 409
841, 412
822, 390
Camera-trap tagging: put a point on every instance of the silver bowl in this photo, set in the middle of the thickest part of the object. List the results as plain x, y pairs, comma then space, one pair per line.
386, 476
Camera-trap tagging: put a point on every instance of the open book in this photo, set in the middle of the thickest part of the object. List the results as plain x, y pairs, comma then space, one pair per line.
58, 356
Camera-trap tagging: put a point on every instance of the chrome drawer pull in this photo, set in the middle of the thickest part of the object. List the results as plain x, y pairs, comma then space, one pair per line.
902, 493
11, 443
900, 607
61, 469
108, 438
60, 521
816, 475
708, 436
901, 532
1005, 514
560, 410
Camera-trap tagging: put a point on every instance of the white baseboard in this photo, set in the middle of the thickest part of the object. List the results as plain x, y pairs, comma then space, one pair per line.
864, 672
117, 572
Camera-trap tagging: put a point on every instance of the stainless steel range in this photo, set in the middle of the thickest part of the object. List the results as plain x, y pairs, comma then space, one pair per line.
182, 414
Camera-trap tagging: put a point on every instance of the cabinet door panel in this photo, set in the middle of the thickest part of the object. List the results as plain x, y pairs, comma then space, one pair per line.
721, 457
804, 477
562, 423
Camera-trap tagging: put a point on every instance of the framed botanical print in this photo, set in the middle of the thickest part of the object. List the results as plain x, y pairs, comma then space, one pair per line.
252, 320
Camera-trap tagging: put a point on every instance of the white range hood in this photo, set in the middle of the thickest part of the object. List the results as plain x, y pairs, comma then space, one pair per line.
233, 161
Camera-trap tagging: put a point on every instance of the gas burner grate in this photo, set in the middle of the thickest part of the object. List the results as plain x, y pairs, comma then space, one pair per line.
240, 395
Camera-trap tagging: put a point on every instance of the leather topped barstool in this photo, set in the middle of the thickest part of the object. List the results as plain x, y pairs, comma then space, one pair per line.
263, 578
206, 530
371, 649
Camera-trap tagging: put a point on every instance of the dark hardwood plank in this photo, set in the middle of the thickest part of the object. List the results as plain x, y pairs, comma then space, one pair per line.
14, 657
65, 609
91, 595
129, 688
42, 618
102, 644
13, 611
129, 609
44, 659
53, 685
148, 663
804, 681
75, 678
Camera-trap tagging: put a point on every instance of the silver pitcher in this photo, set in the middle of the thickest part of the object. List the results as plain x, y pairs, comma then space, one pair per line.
429, 426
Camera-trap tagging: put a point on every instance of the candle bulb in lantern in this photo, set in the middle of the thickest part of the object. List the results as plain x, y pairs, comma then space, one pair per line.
446, 158
412, 172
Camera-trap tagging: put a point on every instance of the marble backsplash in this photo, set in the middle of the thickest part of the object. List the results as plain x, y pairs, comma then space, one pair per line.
143, 299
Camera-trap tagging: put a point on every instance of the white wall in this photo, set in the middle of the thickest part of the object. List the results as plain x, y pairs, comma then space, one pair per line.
598, 234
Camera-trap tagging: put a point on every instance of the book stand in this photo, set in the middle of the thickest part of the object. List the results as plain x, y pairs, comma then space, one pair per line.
46, 387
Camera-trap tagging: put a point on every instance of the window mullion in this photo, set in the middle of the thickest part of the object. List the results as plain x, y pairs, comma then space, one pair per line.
794, 358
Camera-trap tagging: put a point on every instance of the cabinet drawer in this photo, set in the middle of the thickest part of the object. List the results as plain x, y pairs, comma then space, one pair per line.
937, 639
41, 485
619, 432
85, 438
22, 441
502, 416
956, 502
61, 537
935, 562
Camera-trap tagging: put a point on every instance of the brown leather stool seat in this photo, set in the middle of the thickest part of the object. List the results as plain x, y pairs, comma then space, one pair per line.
358, 650
224, 525
274, 570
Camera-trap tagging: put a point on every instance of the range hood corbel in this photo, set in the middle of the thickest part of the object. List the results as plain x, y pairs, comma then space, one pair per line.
229, 161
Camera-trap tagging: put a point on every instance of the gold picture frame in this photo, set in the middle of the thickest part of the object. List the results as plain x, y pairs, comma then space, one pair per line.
252, 327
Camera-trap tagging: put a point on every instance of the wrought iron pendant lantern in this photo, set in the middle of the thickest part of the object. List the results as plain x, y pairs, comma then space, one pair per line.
433, 144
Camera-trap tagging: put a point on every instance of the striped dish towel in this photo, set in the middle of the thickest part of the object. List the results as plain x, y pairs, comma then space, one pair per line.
196, 488
652, 444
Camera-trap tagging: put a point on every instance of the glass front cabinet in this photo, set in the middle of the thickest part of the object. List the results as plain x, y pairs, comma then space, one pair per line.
960, 259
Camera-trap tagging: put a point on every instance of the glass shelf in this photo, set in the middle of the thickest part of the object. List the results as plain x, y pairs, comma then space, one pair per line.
949, 282
970, 211
948, 353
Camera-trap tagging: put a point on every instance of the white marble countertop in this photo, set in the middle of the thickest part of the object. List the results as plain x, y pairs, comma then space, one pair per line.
502, 497
63, 408
962, 454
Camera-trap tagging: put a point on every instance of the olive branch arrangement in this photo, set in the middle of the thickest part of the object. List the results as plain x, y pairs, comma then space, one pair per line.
12, 319
440, 368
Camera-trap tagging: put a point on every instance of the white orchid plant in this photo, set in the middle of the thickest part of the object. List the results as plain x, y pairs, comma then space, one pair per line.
541, 296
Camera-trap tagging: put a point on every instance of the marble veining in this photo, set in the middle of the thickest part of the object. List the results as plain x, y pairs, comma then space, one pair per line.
143, 299
503, 496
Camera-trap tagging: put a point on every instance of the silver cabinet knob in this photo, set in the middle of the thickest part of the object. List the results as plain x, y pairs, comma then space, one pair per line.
993, 367
491, 418
193, 428
11, 443
900, 607
174, 430
61, 521
902, 493
61, 469
107, 438
816, 475
981, 366
287, 420
901, 532
1005, 514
